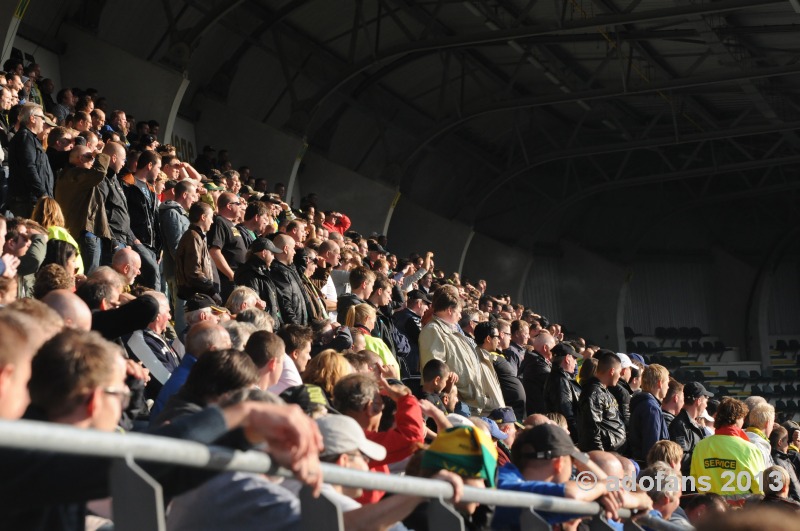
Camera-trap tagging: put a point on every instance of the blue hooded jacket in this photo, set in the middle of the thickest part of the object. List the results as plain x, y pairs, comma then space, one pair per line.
647, 425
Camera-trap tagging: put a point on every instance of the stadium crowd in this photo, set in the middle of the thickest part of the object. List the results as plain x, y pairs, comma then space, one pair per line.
141, 292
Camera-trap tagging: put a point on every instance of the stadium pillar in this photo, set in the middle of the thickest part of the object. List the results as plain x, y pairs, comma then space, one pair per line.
10, 17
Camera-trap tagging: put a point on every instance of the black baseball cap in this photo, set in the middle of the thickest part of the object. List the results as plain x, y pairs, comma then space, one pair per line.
264, 244
198, 301
378, 248
694, 390
548, 441
418, 295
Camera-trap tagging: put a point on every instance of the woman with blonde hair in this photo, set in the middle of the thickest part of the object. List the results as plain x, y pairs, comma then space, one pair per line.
47, 213
362, 317
326, 369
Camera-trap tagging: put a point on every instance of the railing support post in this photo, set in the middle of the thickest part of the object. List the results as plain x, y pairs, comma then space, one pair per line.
531, 521
319, 514
442, 516
137, 498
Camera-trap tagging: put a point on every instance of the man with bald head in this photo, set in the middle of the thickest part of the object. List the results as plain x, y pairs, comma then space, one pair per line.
71, 308
291, 295
203, 337
116, 205
535, 369
225, 242
127, 263
80, 192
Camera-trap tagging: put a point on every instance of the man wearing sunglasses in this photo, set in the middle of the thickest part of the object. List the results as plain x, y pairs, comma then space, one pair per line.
225, 242
30, 176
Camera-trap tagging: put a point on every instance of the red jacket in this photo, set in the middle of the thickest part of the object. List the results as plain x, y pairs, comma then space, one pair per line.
340, 226
400, 441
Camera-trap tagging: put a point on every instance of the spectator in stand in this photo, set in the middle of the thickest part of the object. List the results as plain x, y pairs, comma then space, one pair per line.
684, 430
777, 485
622, 391
359, 396
128, 263
81, 188
730, 448
761, 422
478, 385
673, 401
600, 425
325, 370
381, 300
704, 508
214, 375
30, 175
47, 213
297, 340
535, 369
52, 277
195, 272
75, 313
666, 491
256, 219
561, 392
65, 104
779, 440
22, 337
101, 291
336, 222
225, 242
202, 338
647, 421
542, 459
255, 274
488, 340
267, 350
243, 298
408, 323
116, 205
362, 319
515, 353
143, 210
292, 299
60, 141
173, 216
305, 262
118, 123
362, 280
151, 348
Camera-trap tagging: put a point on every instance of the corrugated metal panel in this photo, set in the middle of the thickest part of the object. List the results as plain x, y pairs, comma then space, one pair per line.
784, 301
668, 294
542, 288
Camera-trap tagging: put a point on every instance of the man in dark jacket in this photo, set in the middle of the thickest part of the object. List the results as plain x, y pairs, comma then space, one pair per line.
779, 440
291, 295
79, 191
408, 323
684, 430
362, 279
561, 391
600, 425
173, 221
143, 209
535, 369
254, 273
116, 205
622, 391
195, 272
30, 176
488, 339
647, 425
515, 353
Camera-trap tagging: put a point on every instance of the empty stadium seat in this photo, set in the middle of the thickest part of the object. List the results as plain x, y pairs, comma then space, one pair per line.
695, 333
628, 332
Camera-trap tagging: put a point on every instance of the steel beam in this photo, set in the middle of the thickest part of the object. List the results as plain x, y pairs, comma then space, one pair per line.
600, 94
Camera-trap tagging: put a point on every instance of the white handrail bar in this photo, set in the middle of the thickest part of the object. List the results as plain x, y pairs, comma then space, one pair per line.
43, 436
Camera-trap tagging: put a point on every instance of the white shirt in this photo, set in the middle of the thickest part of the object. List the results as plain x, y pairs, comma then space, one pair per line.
290, 376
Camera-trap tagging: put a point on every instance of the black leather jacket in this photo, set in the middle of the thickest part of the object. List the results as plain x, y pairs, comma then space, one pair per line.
143, 217
561, 395
534, 371
30, 174
254, 274
291, 295
600, 425
687, 434
622, 393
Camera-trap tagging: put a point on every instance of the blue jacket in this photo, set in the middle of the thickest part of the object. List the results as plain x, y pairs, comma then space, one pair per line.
174, 384
647, 425
510, 478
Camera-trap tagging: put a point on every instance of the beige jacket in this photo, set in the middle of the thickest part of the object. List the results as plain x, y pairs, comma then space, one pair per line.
478, 386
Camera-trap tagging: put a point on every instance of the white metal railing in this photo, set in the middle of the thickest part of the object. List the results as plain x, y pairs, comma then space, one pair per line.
131, 447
